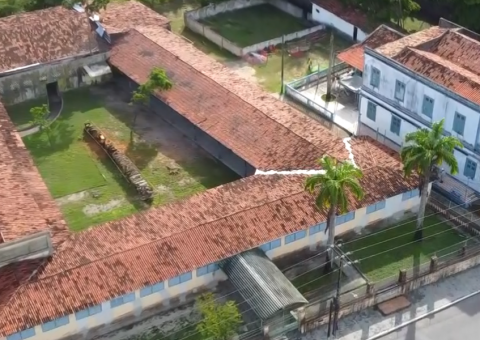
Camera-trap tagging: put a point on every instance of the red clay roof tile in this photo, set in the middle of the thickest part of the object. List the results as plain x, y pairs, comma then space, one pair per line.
44, 36
121, 16
354, 55
125, 255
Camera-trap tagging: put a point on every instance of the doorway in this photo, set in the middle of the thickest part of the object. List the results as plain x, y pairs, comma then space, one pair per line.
52, 92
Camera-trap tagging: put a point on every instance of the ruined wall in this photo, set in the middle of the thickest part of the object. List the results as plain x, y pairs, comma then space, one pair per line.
31, 83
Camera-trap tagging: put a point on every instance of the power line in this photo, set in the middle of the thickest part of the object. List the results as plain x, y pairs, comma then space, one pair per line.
405, 223
399, 236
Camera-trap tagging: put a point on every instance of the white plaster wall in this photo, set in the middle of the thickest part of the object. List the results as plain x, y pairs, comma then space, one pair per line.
325, 17
382, 125
444, 107
108, 315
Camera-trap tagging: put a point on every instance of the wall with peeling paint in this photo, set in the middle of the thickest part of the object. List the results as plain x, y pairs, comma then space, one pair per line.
31, 83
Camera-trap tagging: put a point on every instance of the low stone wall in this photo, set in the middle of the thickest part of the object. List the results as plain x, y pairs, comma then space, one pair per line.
192, 21
316, 313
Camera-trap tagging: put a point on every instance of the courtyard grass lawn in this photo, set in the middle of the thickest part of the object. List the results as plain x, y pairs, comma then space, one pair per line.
88, 186
252, 25
392, 256
20, 113
315, 279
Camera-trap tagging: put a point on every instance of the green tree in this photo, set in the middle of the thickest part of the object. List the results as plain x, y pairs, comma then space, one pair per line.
40, 119
219, 320
157, 80
424, 150
331, 188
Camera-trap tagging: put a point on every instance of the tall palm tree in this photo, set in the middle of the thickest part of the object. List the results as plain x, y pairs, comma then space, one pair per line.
331, 188
424, 150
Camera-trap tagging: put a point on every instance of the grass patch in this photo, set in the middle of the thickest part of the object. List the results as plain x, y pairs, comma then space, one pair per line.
392, 259
269, 74
315, 279
74, 164
20, 113
252, 25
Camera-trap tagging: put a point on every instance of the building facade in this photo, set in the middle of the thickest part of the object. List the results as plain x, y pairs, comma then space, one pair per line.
111, 315
397, 100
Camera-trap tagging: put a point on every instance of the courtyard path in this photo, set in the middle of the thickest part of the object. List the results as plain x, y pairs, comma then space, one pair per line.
367, 323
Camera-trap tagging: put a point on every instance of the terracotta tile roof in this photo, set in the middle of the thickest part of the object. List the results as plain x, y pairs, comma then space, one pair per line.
413, 40
26, 205
44, 36
126, 255
442, 72
251, 93
459, 50
248, 132
354, 55
122, 16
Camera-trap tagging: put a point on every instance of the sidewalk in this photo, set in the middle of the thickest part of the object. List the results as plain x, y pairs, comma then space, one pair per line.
367, 323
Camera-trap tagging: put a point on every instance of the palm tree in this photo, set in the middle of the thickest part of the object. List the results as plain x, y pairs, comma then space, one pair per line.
424, 150
332, 187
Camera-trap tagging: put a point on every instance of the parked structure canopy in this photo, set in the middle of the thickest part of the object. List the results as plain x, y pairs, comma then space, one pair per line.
262, 284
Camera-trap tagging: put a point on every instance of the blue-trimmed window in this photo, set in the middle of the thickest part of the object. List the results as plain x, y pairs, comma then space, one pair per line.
207, 269
180, 279
395, 125
371, 111
25, 334
88, 312
318, 228
149, 290
48, 326
399, 90
295, 236
459, 123
470, 169
271, 245
427, 106
375, 207
345, 218
410, 194
375, 77
121, 300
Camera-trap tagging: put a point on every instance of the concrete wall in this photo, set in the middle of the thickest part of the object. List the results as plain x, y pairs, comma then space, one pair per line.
192, 21
31, 83
293, 89
325, 17
410, 113
110, 319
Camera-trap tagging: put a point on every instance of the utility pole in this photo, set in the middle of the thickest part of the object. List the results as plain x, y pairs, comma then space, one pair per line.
283, 63
330, 68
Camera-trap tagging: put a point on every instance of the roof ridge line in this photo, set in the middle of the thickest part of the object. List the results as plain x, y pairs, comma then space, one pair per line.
160, 239
230, 92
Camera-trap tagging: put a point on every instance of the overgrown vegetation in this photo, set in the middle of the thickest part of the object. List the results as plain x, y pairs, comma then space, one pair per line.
219, 320
157, 80
40, 119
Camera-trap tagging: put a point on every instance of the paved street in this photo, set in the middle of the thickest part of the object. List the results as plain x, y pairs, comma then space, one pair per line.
461, 321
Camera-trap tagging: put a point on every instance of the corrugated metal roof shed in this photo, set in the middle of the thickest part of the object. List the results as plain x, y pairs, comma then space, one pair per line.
262, 284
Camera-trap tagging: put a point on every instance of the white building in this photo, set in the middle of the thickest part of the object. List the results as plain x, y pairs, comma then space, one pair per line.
350, 22
423, 78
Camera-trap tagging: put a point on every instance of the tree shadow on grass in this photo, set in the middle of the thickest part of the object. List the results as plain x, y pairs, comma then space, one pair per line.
62, 135
141, 153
